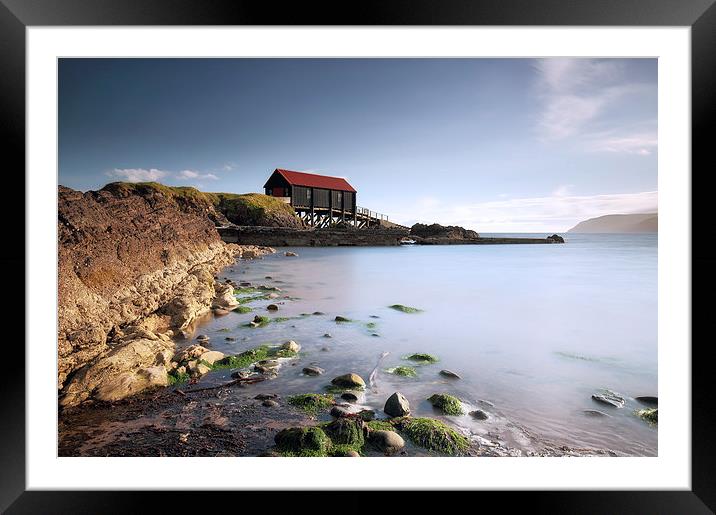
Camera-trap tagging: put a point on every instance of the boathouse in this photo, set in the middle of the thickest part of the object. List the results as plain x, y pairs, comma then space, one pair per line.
318, 199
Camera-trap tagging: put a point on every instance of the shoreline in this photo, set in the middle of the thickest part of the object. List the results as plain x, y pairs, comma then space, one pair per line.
198, 422
349, 236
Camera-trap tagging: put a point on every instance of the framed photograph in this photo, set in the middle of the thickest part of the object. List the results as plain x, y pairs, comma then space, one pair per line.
456, 243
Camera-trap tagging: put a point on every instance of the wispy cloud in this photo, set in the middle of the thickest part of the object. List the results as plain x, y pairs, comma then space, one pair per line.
556, 212
191, 174
576, 94
640, 144
137, 174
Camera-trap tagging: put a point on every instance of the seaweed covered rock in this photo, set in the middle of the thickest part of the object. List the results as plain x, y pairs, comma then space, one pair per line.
422, 358
303, 440
446, 403
556, 238
434, 435
402, 371
651, 415
397, 405
346, 431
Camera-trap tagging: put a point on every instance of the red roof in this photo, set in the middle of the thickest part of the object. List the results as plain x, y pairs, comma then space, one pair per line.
313, 180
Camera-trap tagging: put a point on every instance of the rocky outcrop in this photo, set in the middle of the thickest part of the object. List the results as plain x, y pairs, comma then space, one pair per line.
256, 209
135, 266
437, 231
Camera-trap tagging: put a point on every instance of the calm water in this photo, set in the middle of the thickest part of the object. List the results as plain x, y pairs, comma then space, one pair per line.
533, 329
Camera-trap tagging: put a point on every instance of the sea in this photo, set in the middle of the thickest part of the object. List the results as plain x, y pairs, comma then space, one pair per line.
532, 330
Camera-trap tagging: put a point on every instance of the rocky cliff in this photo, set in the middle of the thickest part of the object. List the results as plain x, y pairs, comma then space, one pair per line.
136, 265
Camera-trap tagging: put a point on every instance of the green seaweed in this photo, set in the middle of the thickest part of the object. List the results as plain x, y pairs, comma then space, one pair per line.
177, 378
346, 431
434, 435
405, 309
422, 358
380, 425
303, 441
262, 321
342, 319
447, 404
250, 356
243, 310
651, 415
402, 371
311, 403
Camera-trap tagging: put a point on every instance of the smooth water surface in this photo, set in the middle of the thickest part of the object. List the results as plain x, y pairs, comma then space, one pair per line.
533, 329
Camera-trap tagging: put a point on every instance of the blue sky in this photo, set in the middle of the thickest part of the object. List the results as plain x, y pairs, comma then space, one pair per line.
516, 145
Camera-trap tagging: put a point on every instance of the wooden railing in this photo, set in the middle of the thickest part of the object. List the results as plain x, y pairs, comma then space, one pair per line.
371, 214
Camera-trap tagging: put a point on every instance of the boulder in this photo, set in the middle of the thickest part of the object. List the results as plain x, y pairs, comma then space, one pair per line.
450, 374
350, 397
296, 439
366, 414
212, 356
291, 346
202, 369
288, 253
313, 370
479, 414
192, 352
340, 412
346, 431
609, 398
389, 442
351, 380
556, 238
397, 405
272, 307
224, 296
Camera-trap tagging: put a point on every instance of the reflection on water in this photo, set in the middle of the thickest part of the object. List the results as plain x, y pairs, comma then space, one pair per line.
533, 330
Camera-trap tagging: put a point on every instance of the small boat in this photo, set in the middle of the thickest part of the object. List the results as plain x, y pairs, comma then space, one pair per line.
407, 241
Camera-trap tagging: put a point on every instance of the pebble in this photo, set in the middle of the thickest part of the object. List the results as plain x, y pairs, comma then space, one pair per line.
269, 403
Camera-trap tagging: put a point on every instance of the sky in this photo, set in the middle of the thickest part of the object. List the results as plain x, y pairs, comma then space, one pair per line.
494, 145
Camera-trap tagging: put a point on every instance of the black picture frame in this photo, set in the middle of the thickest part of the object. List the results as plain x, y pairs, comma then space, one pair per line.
700, 15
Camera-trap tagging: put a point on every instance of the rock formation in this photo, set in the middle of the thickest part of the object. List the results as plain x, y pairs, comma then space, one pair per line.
451, 232
136, 265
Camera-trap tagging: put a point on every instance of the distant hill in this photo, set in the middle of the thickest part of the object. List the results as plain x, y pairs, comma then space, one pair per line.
636, 223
